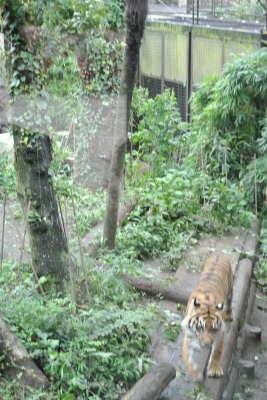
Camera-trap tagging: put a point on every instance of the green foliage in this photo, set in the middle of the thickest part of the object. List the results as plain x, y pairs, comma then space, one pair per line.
106, 59
74, 16
203, 95
175, 204
27, 70
227, 128
138, 106
94, 353
172, 327
87, 14
262, 264
7, 176
262, 141
78, 16
89, 206
64, 87
256, 173
226, 203
164, 217
242, 10
23, 12
115, 14
13, 390
64, 64
157, 134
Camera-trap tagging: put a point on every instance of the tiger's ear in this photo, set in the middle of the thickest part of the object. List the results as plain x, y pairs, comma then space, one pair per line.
220, 306
196, 302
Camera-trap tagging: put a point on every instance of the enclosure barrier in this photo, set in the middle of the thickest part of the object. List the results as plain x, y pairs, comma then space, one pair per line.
180, 56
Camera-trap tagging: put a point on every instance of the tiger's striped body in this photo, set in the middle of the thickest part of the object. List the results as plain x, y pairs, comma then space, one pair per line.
208, 310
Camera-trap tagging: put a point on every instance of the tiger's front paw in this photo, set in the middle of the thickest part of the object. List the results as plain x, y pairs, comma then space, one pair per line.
214, 371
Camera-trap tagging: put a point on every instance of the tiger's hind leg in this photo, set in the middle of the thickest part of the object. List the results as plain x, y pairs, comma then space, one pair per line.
189, 346
214, 365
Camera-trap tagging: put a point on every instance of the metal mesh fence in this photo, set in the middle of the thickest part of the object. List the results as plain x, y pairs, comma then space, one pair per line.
180, 56
206, 58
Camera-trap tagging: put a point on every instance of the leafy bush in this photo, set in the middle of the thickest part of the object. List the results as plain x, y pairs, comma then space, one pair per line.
115, 14
105, 64
157, 132
228, 126
256, 174
167, 205
94, 353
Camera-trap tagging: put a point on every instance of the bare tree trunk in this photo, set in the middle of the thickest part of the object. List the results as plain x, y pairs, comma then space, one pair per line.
46, 234
136, 12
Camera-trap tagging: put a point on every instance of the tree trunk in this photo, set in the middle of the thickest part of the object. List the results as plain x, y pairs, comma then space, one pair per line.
46, 235
136, 12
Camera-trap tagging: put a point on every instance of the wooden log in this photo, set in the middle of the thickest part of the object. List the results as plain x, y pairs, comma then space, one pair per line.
152, 384
173, 292
17, 361
254, 331
247, 367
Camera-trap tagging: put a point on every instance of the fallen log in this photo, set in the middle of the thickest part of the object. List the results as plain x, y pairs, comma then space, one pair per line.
16, 360
152, 384
172, 292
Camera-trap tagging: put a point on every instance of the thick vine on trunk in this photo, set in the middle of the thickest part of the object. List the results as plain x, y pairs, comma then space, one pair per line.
136, 12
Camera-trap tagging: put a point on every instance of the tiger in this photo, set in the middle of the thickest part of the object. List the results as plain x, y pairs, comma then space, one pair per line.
208, 310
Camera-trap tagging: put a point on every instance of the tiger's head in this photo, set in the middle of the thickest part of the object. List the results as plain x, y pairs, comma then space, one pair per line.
204, 320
